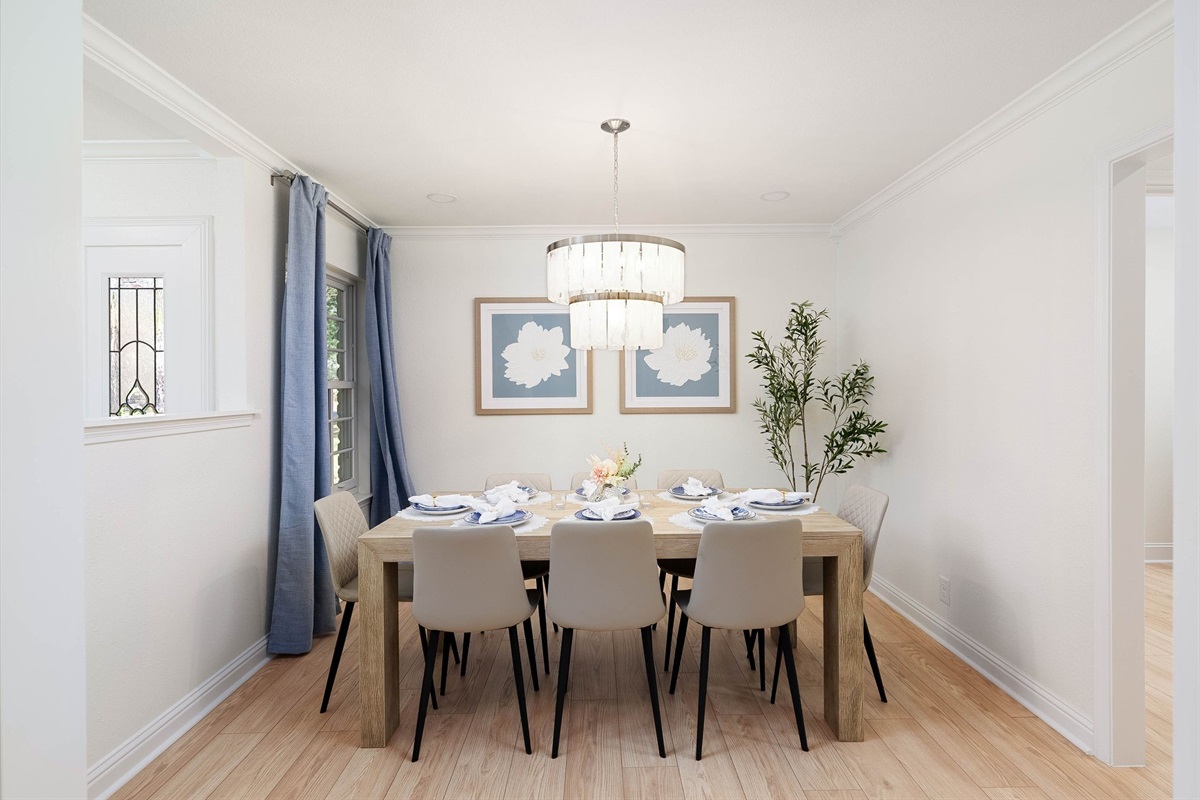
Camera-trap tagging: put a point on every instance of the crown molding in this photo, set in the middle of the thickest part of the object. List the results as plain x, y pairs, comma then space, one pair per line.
553, 232
109, 51
1154, 25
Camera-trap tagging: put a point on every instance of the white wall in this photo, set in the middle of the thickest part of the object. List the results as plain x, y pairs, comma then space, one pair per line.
974, 299
42, 729
1160, 373
436, 280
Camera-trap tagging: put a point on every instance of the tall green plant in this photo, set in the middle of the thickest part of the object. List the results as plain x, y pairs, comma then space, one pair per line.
790, 384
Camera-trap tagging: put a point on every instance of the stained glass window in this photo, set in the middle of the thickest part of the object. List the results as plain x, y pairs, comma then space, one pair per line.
135, 346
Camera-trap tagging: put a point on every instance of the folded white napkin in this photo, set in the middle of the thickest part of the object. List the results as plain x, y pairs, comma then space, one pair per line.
442, 500
511, 491
589, 487
693, 487
610, 507
719, 508
773, 496
489, 512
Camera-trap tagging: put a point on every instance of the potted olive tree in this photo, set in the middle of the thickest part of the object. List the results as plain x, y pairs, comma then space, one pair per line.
792, 391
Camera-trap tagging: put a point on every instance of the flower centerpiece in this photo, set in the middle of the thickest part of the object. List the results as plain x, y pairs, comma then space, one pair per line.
609, 474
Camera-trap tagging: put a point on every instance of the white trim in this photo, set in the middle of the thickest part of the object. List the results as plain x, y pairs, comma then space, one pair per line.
1038, 698
143, 150
1112, 641
1160, 553
114, 770
552, 232
114, 54
1127, 42
120, 429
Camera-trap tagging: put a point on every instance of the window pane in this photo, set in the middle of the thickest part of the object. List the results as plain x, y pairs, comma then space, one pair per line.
341, 403
343, 467
135, 374
335, 365
341, 435
334, 298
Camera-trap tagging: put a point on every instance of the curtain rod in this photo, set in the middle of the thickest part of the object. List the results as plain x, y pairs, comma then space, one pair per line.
288, 177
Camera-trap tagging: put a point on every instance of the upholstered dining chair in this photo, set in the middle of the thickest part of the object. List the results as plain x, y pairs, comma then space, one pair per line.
579, 477
604, 578
748, 577
537, 571
469, 579
864, 508
680, 567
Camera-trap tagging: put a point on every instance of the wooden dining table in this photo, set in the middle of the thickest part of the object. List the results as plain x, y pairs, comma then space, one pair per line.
825, 535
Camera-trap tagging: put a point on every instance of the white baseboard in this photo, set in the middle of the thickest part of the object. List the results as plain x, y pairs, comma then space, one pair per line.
1160, 553
1048, 706
115, 769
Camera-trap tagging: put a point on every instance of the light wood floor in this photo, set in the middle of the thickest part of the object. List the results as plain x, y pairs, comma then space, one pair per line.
945, 733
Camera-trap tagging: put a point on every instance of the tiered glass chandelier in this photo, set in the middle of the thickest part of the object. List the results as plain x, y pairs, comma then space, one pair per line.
615, 284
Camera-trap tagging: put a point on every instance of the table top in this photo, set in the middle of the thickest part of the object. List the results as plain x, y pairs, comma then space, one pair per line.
824, 533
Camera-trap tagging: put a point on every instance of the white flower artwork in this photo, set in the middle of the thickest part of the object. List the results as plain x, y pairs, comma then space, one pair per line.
536, 355
685, 355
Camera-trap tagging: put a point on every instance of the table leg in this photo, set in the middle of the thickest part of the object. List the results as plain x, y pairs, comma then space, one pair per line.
379, 642
844, 644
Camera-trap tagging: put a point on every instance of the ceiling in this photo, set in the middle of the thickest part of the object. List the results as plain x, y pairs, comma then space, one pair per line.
499, 103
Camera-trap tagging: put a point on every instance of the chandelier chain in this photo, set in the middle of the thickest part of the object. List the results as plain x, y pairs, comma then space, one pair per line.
616, 219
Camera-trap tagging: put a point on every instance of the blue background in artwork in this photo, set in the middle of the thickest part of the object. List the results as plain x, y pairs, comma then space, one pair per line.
709, 384
505, 328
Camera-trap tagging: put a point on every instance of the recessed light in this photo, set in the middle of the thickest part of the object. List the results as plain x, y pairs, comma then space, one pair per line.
441, 198
771, 197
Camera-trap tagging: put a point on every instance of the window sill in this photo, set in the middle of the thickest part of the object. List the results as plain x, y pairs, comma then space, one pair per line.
102, 431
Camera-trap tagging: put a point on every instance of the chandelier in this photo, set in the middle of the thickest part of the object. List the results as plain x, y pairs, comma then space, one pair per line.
615, 284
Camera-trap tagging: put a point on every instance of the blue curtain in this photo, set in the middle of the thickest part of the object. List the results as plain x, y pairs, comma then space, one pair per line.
304, 603
390, 481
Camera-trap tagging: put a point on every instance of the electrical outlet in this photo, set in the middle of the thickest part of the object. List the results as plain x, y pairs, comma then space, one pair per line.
944, 589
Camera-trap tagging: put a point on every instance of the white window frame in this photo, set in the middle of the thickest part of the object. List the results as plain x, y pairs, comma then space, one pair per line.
349, 288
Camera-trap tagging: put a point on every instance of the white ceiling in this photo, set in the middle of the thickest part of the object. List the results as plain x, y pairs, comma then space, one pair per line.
499, 103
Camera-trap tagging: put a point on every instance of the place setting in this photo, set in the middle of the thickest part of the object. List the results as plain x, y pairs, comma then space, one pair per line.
690, 491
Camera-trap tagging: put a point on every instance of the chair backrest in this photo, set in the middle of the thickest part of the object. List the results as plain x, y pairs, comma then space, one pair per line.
749, 574
864, 508
579, 477
538, 480
605, 575
670, 478
341, 522
468, 578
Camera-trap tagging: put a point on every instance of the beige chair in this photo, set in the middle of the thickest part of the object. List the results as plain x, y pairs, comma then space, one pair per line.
579, 477
864, 508
681, 567
532, 570
748, 577
469, 579
604, 574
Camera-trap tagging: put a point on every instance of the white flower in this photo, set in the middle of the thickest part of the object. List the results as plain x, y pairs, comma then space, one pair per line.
683, 357
536, 355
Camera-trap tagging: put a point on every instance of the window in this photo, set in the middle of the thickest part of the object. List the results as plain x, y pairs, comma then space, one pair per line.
340, 326
135, 346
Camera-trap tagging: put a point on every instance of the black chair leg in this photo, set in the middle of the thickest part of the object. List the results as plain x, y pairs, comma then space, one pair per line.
705, 636
680, 638
425, 650
671, 622
871, 658
337, 653
762, 661
546, 583
648, 652
462, 673
542, 623
426, 693
445, 662
453, 646
789, 661
528, 625
520, 681
564, 670
748, 636
775, 680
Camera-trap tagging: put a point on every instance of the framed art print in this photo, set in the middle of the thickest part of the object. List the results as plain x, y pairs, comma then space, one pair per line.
693, 372
524, 363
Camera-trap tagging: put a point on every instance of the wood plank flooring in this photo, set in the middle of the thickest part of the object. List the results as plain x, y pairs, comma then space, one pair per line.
945, 732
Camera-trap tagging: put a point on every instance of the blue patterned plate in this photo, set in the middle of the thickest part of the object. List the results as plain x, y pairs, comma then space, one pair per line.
515, 518
582, 493
529, 490
703, 515
592, 516
439, 511
776, 506
679, 492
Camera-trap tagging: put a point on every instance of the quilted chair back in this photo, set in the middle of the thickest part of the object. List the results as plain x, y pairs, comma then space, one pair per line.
864, 508
670, 478
536, 480
341, 522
